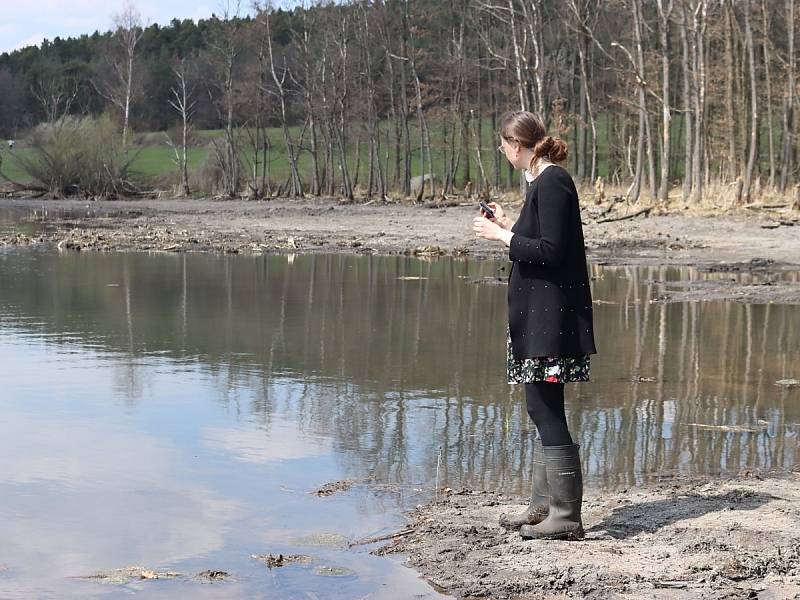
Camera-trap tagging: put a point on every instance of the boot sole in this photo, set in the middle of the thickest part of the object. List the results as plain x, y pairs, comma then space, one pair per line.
575, 535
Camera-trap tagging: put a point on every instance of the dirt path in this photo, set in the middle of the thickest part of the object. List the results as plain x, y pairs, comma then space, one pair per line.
764, 241
713, 539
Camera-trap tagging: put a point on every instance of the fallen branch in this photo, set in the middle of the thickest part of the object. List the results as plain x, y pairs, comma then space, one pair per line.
765, 206
380, 538
643, 211
613, 202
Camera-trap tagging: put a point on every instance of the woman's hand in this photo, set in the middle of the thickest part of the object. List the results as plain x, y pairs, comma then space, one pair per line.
489, 230
499, 215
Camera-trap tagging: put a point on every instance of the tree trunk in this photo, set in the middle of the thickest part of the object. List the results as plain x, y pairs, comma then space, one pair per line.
751, 61
687, 104
788, 105
730, 109
768, 85
664, 12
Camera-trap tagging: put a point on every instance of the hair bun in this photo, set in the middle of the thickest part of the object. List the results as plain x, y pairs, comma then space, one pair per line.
559, 151
553, 149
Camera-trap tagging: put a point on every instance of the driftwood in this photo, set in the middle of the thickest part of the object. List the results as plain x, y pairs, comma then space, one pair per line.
643, 211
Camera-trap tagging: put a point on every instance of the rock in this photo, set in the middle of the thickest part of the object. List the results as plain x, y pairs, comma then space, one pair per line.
333, 487
213, 575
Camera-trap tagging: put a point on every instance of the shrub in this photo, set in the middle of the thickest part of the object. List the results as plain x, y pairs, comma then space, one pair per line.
79, 156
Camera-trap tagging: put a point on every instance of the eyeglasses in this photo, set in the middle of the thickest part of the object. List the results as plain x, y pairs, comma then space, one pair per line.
509, 140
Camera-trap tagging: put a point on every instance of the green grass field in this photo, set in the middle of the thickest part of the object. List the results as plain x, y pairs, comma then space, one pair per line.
154, 158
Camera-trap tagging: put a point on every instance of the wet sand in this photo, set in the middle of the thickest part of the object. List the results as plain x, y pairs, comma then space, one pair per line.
736, 538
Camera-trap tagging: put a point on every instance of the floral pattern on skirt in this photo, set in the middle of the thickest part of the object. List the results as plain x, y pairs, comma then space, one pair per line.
564, 369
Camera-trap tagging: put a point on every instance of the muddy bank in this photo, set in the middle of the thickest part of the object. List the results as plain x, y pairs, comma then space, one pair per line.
764, 239
737, 538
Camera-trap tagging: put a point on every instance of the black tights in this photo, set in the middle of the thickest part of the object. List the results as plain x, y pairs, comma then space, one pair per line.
545, 404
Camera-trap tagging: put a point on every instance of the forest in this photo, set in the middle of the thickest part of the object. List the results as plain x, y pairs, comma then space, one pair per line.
663, 99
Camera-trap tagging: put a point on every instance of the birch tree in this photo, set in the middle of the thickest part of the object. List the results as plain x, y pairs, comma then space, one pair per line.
183, 102
120, 85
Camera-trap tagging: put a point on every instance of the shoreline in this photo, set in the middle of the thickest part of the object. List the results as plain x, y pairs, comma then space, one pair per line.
763, 243
726, 538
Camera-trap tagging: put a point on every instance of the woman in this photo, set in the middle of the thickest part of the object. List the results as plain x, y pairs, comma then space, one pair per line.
550, 330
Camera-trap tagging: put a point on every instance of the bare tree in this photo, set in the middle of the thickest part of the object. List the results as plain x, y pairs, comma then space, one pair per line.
183, 102
697, 46
582, 13
686, 101
751, 61
788, 103
768, 88
664, 14
56, 96
120, 86
280, 85
225, 46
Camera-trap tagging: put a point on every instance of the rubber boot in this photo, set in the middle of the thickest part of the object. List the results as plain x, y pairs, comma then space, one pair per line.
540, 495
564, 476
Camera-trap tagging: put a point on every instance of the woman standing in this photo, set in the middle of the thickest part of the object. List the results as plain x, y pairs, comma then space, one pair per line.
550, 330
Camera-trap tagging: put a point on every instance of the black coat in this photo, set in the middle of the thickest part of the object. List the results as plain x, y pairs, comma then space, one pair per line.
549, 299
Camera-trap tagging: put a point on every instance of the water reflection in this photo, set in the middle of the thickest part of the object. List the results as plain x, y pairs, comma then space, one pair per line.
247, 381
394, 357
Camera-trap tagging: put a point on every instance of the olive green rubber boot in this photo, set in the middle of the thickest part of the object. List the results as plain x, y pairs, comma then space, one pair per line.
540, 495
563, 522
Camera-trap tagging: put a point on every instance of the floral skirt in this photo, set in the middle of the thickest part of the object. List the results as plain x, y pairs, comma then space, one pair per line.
563, 369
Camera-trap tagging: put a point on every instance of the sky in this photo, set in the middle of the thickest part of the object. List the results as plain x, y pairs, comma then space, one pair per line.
28, 22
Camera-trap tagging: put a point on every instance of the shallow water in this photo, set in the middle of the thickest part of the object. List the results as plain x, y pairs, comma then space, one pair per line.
175, 412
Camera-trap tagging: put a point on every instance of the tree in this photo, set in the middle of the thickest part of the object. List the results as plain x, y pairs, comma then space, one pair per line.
224, 50
183, 102
119, 86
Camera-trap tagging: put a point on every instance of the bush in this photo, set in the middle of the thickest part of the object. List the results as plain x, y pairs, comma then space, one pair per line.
79, 156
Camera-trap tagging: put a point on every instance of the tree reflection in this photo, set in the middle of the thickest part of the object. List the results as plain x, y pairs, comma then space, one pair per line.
395, 357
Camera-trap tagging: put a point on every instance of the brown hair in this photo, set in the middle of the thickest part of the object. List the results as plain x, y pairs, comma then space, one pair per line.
527, 129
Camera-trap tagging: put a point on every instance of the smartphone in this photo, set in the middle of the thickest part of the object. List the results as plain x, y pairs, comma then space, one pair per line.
485, 208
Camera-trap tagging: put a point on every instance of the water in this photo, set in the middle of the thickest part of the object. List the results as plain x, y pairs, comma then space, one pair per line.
175, 412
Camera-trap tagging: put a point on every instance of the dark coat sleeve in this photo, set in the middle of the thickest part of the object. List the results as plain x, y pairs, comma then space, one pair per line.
555, 202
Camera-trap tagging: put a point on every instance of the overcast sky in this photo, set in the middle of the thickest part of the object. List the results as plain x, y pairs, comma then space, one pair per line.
28, 22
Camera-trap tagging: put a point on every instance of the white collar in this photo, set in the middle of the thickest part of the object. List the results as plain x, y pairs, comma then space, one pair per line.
543, 164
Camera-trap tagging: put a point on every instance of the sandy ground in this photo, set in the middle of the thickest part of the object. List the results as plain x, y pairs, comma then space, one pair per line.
736, 538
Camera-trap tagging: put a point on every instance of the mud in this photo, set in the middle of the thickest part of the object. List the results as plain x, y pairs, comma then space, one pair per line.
326, 225
737, 538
